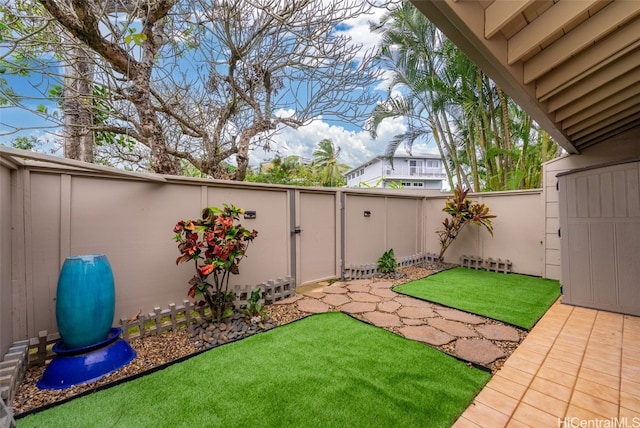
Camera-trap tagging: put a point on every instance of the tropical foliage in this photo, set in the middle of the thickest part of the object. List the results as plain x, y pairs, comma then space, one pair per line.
463, 211
216, 244
488, 142
324, 170
326, 166
387, 262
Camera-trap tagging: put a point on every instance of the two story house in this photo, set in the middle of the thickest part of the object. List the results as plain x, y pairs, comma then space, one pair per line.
415, 172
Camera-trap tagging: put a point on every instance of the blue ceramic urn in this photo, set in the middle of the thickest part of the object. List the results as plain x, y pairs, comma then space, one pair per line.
85, 300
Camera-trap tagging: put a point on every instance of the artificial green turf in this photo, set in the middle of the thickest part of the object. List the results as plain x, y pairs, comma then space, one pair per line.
323, 371
515, 299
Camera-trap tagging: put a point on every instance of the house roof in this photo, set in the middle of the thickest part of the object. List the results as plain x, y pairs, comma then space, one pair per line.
574, 66
377, 158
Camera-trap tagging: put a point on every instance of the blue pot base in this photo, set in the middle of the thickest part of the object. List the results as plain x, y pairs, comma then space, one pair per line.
87, 364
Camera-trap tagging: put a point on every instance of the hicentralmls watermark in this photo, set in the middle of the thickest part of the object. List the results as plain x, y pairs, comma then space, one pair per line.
576, 422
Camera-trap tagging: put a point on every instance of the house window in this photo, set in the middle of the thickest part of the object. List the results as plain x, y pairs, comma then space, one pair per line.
417, 184
433, 164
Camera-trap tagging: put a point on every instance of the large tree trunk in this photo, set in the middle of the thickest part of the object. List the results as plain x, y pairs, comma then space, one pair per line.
77, 106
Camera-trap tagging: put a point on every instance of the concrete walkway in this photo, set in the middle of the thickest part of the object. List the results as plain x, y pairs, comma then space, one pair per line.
469, 337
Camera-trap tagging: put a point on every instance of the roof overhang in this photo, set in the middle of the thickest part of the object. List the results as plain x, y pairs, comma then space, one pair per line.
574, 66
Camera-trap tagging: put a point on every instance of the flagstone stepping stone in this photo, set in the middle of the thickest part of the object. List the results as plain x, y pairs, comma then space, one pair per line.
364, 297
382, 284
289, 300
479, 351
426, 334
411, 321
313, 306
388, 306
358, 307
336, 299
315, 294
358, 282
499, 332
414, 303
384, 292
452, 327
382, 319
456, 315
358, 288
335, 290
414, 312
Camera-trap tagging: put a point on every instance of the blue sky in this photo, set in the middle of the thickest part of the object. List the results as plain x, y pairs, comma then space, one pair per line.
356, 144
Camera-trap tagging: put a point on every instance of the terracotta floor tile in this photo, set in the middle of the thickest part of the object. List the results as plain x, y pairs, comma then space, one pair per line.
497, 400
463, 422
611, 395
506, 386
610, 381
563, 366
553, 389
485, 416
530, 347
594, 404
534, 417
541, 340
630, 357
545, 403
519, 362
557, 376
630, 372
629, 414
629, 401
630, 387
569, 357
515, 375
601, 366
581, 414
517, 424
532, 356
604, 353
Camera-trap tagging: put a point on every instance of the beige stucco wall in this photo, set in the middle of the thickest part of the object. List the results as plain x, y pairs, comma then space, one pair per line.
518, 231
625, 146
395, 222
55, 211
131, 221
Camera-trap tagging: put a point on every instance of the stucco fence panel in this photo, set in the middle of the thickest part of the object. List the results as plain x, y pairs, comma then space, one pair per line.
54, 208
518, 231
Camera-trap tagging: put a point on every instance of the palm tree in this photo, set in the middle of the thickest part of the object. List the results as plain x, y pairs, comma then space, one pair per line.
485, 139
325, 163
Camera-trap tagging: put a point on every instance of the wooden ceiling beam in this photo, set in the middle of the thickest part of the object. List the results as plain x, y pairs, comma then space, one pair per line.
592, 140
499, 14
608, 126
604, 22
537, 32
600, 113
613, 77
601, 54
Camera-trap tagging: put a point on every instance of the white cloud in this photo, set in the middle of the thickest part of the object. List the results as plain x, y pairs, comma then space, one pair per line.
356, 146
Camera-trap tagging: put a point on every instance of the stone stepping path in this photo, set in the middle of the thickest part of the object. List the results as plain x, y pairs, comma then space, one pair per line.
469, 337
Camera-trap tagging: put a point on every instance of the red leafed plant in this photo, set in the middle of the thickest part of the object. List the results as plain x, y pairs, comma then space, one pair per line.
216, 244
462, 211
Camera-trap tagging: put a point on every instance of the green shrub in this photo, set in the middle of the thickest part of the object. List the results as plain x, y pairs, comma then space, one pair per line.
387, 262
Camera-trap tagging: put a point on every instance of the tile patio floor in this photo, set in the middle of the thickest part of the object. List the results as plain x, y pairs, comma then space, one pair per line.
577, 367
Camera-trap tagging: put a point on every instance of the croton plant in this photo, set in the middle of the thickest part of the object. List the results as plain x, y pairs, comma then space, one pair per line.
216, 243
463, 211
